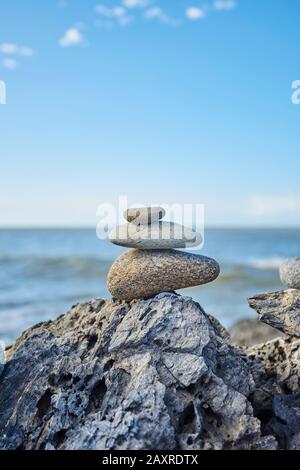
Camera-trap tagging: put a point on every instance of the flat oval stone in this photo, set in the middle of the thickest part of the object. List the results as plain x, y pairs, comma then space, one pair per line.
140, 274
144, 215
162, 235
290, 273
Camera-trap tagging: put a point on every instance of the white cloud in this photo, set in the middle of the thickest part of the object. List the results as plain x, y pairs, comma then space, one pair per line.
195, 13
224, 4
114, 12
10, 64
117, 14
135, 3
9, 48
72, 37
156, 13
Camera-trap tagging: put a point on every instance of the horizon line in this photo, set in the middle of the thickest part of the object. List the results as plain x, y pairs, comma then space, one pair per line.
91, 227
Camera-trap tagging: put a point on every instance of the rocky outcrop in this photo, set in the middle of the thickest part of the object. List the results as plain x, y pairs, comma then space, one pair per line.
2, 357
149, 374
275, 367
280, 310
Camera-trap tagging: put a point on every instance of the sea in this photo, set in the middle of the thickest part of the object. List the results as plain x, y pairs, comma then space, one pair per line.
44, 272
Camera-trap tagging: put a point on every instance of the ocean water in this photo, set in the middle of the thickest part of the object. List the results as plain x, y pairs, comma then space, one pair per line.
44, 272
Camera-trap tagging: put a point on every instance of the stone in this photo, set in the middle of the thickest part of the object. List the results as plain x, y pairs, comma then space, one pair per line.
275, 368
250, 331
144, 215
159, 236
281, 310
2, 357
111, 375
140, 274
290, 273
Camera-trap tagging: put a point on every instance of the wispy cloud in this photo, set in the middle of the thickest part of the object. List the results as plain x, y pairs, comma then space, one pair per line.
72, 37
136, 3
10, 64
114, 12
195, 13
156, 13
12, 51
117, 14
125, 12
224, 4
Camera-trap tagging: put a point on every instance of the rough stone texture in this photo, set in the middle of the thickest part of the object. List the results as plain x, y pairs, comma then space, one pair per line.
140, 274
144, 215
280, 310
152, 374
275, 367
249, 332
2, 358
162, 235
290, 273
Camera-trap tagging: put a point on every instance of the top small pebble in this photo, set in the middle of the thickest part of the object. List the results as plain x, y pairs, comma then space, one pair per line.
290, 273
144, 215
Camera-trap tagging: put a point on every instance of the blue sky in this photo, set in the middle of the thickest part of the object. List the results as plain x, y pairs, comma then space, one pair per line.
163, 101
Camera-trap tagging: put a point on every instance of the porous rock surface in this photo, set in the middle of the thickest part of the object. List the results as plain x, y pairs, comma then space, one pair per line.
150, 374
275, 367
2, 357
281, 310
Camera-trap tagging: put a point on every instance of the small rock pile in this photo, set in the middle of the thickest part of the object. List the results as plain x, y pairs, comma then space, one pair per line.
153, 265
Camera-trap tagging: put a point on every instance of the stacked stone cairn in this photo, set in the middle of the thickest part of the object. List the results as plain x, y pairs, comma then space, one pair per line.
154, 264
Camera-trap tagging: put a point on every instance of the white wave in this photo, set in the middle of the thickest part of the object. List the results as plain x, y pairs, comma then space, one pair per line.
267, 263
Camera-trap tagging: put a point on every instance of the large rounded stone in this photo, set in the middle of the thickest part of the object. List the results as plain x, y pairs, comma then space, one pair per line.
140, 274
162, 235
290, 273
144, 215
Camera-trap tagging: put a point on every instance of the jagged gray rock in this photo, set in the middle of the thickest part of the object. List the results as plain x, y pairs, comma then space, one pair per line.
275, 367
150, 374
280, 310
2, 357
